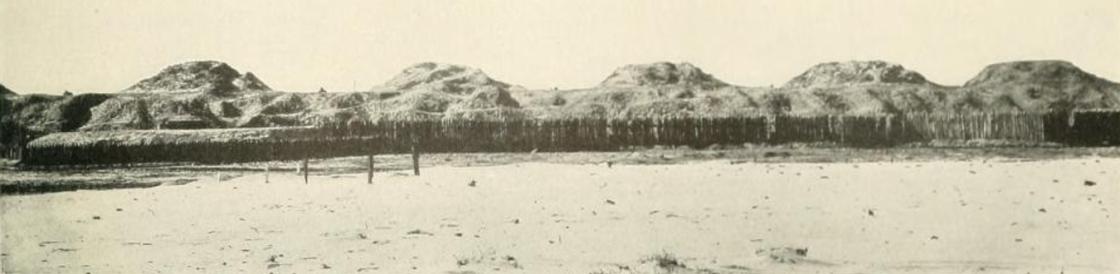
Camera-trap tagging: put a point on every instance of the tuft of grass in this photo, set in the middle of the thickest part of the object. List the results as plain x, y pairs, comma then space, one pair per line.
488, 257
665, 261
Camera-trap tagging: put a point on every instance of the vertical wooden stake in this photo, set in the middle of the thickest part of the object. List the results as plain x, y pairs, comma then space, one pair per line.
369, 179
415, 160
268, 164
305, 181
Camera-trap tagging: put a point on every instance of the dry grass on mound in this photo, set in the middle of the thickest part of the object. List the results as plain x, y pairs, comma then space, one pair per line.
144, 137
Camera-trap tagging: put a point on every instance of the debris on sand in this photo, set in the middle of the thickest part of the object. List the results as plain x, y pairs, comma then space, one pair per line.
1090, 183
63, 249
419, 232
786, 255
512, 261
488, 259
665, 261
472, 183
610, 202
272, 260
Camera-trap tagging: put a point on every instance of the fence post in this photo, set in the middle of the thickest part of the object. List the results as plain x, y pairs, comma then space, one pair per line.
305, 171
268, 163
369, 178
415, 158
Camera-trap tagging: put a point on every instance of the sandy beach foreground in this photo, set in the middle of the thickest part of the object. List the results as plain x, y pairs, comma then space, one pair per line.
700, 217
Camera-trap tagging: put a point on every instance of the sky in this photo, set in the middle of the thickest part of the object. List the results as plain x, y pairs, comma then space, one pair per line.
48, 46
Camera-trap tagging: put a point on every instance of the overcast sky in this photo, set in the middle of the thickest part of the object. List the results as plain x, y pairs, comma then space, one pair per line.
49, 46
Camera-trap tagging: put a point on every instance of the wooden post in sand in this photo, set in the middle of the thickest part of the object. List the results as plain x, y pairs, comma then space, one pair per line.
305, 181
415, 159
369, 178
268, 164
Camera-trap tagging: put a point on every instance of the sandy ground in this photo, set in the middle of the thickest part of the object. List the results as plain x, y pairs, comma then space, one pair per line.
702, 217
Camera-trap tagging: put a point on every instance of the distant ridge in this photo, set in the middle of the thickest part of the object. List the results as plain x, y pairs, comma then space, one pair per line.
212, 94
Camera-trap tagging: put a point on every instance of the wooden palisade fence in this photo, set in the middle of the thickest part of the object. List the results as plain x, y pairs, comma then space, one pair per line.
327, 140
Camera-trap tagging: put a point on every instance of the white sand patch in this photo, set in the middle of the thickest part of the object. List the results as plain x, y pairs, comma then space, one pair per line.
940, 217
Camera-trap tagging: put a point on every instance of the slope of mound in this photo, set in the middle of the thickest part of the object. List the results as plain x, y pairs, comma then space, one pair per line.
440, 89
201, 76
454, 79
661, 74
170, 111
638, 90
855, 72
619, 102
49, 113
873, 98
1042, 86
6, 97
861, 87
191, 95
4, 91
39, 114
427, 90
1054, 73
249, 81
